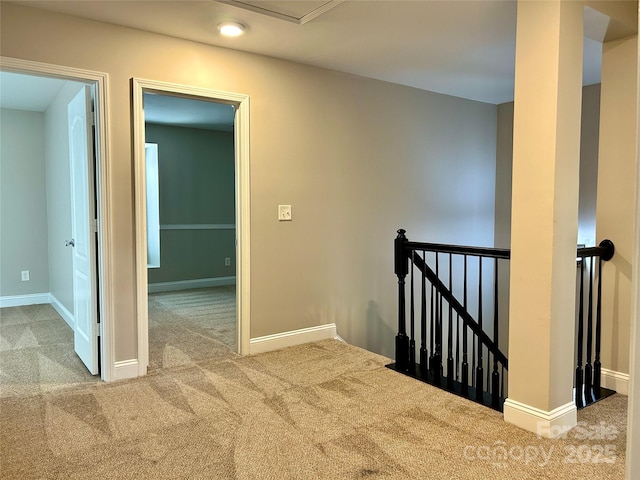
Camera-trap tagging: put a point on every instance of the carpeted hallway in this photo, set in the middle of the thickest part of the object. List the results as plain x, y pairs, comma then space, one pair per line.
191, 325
325, 410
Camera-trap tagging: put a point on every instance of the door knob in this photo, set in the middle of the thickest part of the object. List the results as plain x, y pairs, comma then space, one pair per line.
71, 243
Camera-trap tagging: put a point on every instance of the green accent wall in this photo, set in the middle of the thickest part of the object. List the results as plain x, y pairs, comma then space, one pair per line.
196, 171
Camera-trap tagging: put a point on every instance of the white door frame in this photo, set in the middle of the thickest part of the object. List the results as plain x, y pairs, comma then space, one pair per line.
103, 207
241, 132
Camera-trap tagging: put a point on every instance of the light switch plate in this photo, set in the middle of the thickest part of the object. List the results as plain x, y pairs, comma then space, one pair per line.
284, 213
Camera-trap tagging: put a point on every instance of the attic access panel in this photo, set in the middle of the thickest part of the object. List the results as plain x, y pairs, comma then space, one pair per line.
295, 11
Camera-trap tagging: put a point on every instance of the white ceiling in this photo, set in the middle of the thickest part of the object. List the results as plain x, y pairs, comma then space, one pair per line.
463, 48
35, 93
186, 112
24, 92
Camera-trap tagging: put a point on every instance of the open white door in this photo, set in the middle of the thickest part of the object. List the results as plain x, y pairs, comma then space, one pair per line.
83, 227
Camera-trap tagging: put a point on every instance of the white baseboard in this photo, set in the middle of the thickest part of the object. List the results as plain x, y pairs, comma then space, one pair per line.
545, 424
126, 369
615, 381
189, 284
62, 311
23, 300
292, 338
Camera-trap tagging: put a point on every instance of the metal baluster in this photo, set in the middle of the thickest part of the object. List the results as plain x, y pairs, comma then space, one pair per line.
412, 339
588, 369
423, 322
597, 366
488, 362
432, 358
479, 367
457, 357
579, 372
465, 365
495, 377
437, 367
450, 332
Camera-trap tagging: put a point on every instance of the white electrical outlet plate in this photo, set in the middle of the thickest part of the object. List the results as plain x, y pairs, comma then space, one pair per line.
284, 213
227, 262
25, 275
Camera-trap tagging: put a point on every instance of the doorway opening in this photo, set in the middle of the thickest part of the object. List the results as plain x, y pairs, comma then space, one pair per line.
192, 223
54, 316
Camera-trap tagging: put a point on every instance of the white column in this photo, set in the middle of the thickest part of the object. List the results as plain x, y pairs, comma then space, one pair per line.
544, 223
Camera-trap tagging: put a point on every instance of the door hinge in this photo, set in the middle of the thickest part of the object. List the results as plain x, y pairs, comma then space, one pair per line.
94, 225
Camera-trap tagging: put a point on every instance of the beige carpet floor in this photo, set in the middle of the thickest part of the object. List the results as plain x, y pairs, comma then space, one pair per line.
325, 410
36, 352
191, 325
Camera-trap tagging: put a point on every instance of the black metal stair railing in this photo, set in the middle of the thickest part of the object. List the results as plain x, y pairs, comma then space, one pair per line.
587, 384
474, 366
467, 331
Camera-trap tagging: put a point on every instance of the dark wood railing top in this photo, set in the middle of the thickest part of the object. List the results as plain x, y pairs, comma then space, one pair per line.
460, 249
454, 249
606, 249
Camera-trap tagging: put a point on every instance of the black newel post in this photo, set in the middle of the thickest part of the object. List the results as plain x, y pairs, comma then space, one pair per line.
401, 269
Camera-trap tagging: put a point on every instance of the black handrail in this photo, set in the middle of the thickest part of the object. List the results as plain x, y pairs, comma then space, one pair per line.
488, 252
605, 250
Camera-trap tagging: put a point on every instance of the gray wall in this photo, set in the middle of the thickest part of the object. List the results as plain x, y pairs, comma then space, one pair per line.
589, 143
58, 177
588, 169
23, 209
356, 158
196, 170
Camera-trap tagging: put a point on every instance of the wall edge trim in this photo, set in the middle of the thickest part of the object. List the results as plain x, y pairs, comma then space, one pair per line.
126, 369
66, 315
189, 284
292, 338
24, 300
613, 380
546, 424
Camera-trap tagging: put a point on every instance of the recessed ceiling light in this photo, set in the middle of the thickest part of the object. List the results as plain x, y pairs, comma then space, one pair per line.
231, 29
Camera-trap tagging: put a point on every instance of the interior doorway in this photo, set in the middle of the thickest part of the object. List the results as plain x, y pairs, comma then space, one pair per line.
192, 223
191, 258
53, 154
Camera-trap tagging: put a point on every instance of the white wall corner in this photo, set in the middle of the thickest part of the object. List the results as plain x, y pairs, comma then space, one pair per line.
616, 381
23, 300
126, 369
62, 311
292, 338
544, 424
